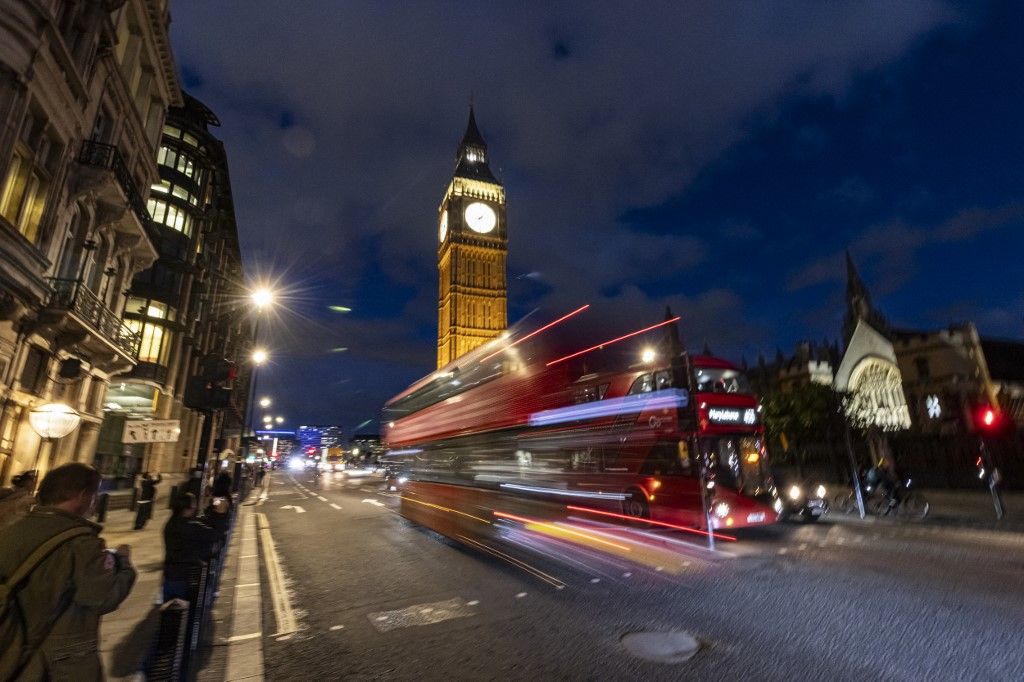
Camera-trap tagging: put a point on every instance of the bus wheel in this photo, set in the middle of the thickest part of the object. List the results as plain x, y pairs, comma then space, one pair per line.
636, 507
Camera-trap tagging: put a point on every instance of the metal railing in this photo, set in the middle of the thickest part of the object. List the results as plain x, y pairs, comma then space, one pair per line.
72, 295
149, 370
100, 155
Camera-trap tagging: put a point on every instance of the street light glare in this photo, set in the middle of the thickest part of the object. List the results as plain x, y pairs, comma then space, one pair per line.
262, 297
264, 402
648, 355
259, 356
280, 420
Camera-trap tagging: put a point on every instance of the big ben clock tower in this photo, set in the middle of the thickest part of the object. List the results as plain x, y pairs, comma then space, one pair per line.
473, 244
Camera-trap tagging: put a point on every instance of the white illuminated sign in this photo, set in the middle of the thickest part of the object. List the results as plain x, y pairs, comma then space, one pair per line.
934, 406
151, 431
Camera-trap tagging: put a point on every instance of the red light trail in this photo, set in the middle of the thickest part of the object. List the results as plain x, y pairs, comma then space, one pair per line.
611, 341
651, 521
549, 325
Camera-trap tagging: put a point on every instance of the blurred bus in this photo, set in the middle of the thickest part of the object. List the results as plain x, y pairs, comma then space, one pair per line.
630, 424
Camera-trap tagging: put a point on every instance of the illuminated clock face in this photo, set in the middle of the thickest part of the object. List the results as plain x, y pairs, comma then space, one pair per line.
481, 217
442, 230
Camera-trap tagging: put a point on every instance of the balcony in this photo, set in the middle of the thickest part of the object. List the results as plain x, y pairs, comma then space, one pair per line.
107, 157
71, 296
149, 371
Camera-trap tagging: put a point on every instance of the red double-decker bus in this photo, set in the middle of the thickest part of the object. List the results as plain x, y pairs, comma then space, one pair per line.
629, 428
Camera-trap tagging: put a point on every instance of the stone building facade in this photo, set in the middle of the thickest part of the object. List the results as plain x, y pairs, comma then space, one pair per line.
84, 88
187, 304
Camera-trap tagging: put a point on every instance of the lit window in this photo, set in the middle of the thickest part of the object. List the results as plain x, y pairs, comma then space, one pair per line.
163, 187
191, 140
171, 131
23, 196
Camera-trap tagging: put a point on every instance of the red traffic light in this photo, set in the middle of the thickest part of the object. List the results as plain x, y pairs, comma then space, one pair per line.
988, 418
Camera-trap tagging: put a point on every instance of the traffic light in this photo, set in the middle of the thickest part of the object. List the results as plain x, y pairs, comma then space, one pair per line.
988, 418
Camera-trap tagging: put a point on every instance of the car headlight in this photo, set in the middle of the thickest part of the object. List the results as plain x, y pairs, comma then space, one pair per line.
403, 479
820, 491
795, 493
721, 510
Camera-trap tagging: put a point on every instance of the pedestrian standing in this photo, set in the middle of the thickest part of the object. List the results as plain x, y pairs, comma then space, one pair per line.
50, 624
260, 473
147, 494
16, 501
188, 543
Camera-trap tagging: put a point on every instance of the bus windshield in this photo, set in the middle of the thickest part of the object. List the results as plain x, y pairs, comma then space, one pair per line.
719, 380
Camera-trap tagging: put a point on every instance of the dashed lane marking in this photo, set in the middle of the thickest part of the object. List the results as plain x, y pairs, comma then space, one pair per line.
321, 498
242, 638
595, 580
337, 627
520, 595
626, 574
335, 506
473, 602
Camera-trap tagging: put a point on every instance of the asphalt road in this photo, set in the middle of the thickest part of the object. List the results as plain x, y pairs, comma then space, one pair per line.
375, 596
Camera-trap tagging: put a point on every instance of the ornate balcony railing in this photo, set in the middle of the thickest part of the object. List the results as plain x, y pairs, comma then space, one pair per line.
100, 155
75, 297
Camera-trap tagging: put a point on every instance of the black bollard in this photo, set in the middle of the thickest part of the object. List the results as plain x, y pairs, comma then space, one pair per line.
101, 507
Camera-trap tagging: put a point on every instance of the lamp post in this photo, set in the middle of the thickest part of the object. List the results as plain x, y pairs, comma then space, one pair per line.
262, 299
52, 422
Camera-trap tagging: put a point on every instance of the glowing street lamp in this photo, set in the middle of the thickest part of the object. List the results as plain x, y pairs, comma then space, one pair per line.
264, 402
648, 355
52, 422
259, 356
262, 298
279, 420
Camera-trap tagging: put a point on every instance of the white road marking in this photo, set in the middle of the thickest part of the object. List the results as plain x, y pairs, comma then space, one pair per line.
377, 503
247, 584
321, 498
659, 568
520, 595
626, 574
473, 602
242, 638
337, 627
296, 507
595, 580
335, 506
284, 614
783, 550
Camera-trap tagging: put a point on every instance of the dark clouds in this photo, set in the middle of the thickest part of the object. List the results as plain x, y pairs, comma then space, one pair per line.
607, 124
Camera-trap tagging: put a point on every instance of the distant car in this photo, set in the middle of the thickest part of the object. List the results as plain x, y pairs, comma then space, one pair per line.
803, 501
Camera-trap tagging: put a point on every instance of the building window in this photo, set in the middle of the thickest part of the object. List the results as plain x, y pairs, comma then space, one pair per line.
923, 370
23, 197
33, 373
171, 131
170, 215
154, 344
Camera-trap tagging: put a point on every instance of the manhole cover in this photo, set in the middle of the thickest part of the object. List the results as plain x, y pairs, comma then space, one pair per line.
661, 647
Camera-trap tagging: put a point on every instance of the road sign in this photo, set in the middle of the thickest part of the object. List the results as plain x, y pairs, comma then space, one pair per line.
151, 431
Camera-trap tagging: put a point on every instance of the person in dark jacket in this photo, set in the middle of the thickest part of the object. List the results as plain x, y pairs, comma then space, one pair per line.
188, 543
147, 494
63, 599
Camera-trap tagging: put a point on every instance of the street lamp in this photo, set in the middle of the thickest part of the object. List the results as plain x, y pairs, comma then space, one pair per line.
52, 422
262, 297
259, 357
279, 420
264, 402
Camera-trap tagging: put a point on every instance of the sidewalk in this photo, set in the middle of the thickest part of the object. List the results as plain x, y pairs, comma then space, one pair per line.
962, 508
125, 634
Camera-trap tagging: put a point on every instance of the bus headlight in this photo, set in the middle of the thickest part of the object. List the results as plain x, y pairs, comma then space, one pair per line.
721, 509
820, 491
795, 493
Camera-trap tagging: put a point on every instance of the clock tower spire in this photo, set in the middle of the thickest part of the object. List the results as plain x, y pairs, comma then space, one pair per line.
471, 254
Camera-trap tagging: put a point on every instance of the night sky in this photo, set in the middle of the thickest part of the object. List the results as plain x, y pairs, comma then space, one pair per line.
715, 157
